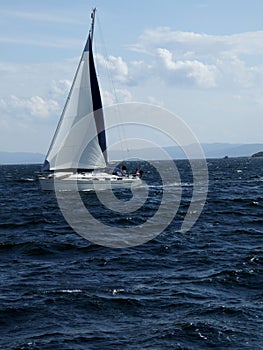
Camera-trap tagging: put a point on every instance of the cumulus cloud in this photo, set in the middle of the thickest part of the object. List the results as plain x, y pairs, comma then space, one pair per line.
118, 96
34, 107
115, 66
201, 59
60, 88
34, 93
195, 71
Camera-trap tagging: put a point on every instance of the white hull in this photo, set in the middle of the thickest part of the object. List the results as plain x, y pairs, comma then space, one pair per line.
86, 182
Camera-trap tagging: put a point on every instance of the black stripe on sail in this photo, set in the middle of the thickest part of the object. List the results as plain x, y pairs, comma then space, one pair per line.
96, 98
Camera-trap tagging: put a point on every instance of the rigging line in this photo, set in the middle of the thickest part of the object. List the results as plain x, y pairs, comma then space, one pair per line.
120, 127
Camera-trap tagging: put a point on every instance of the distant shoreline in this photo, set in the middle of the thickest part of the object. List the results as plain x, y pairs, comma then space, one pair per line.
211, 150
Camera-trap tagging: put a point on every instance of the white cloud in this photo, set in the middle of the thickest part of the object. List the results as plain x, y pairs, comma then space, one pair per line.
116, 67
34, 107
199, 43
118, 96
196, 72
205, 60
59, 89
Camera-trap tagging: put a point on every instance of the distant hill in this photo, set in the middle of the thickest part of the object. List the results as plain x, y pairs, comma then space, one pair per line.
21, 158
219, 150
258, 154
211, 150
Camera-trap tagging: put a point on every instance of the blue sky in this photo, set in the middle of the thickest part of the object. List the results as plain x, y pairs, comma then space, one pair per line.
202, 60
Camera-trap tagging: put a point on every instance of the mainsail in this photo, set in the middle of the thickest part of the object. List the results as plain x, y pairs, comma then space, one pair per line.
85, 149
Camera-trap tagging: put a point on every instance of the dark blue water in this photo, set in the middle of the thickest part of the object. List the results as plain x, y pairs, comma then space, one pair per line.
197, 290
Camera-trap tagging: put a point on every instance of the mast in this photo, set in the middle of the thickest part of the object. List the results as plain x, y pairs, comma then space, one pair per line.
92, 22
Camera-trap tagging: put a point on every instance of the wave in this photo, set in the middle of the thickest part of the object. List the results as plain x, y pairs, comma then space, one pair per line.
27, 179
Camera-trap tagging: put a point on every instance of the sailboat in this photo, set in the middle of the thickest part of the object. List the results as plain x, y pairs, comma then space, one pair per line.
78, 150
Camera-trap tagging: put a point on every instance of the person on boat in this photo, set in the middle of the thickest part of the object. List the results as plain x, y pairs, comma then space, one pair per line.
138, 173
117, 171
124, 169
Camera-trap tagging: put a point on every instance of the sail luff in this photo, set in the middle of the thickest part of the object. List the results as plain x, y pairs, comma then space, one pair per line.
63, 111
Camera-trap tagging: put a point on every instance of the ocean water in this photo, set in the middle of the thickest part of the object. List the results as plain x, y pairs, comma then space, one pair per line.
201, 289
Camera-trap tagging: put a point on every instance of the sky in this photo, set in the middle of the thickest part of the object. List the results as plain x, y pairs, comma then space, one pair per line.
200, 59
